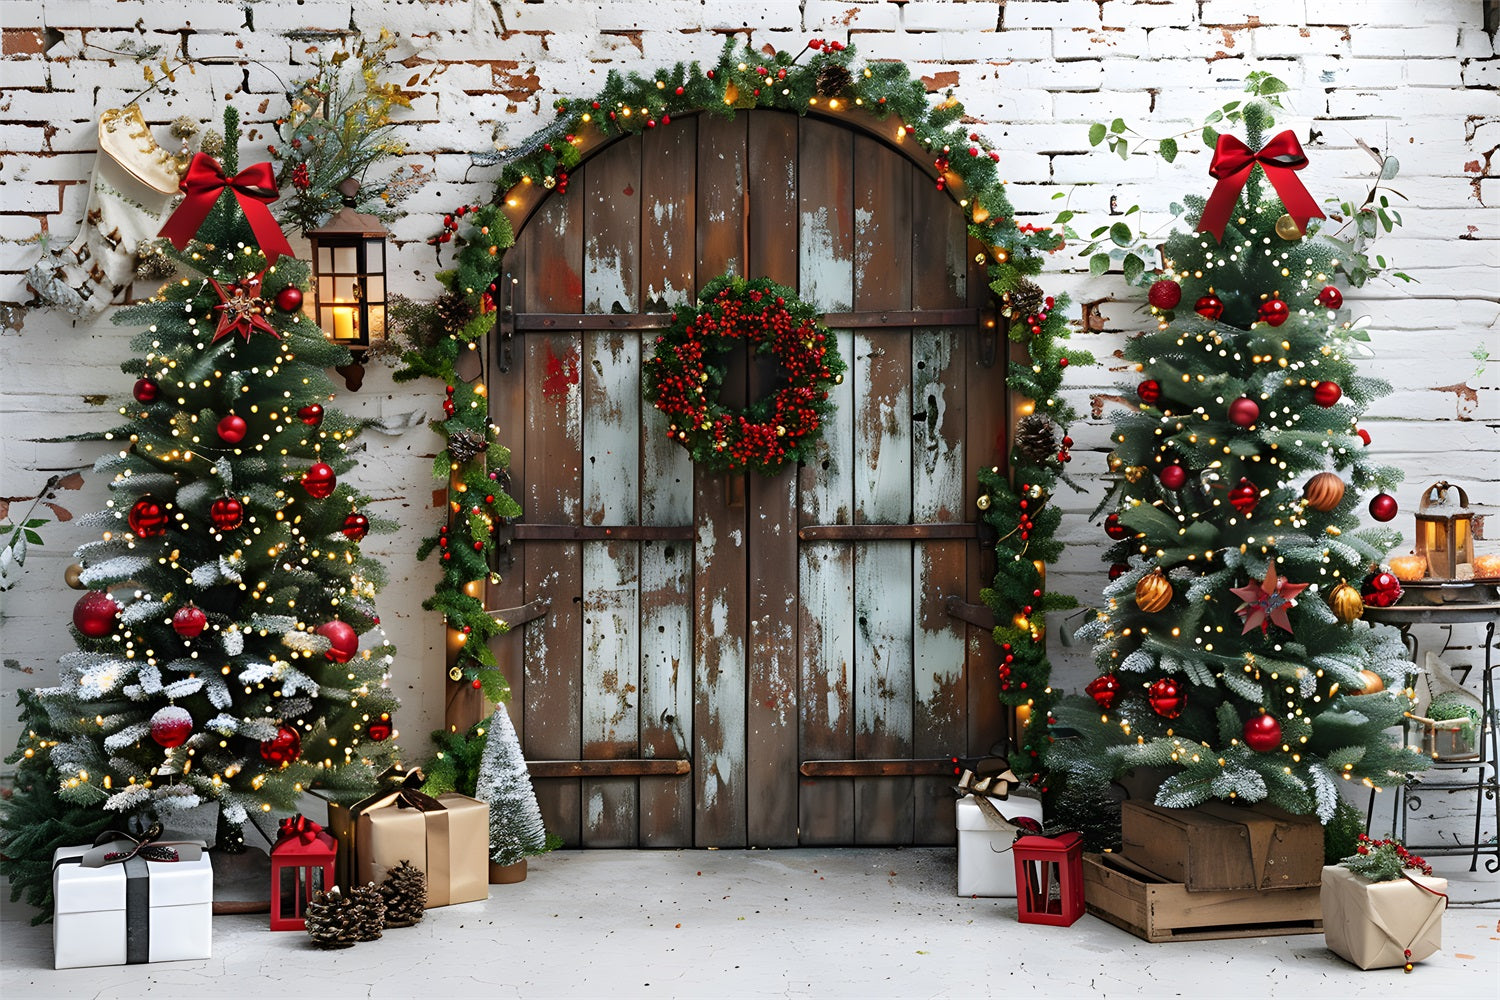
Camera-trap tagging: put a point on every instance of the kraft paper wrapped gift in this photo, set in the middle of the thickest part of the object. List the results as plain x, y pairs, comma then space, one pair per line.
448, 837
116, 904
1372, 924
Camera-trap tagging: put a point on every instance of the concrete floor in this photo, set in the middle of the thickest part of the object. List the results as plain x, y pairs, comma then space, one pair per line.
782, 923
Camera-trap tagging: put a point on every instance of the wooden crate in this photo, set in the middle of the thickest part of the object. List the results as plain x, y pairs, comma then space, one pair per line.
1132, 898
1219, 846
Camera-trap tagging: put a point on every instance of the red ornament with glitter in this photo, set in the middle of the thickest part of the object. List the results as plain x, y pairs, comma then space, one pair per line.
241, 310
1164, 294
171, 726
319, 481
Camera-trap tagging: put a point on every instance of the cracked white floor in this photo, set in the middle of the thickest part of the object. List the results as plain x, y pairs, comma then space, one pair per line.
773, 923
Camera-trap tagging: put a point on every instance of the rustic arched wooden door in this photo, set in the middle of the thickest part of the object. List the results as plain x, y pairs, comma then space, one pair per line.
740, 661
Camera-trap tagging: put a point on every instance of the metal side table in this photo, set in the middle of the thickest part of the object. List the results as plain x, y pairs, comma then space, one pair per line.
1479, 775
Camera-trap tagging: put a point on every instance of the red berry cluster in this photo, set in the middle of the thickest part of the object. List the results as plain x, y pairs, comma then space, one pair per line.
683, 382
830, 44
1035, 320
450, 224
448, 406
1408, 859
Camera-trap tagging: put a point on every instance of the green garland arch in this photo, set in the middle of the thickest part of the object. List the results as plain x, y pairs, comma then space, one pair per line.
822, 76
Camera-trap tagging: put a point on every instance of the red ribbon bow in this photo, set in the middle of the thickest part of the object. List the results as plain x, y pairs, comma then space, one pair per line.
1280, 159
300, 828
254, 187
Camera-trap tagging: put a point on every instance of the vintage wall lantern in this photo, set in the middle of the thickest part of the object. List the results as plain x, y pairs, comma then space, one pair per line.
349, 286
1445, 537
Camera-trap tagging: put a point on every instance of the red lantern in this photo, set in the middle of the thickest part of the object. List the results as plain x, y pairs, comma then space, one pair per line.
189, 621
343, 640
1273, 312
147, 518
319, 481
1209, 307
1262, 733
302, 861
356, 526
1244, 496
1049, 879
1105, 690
1244, 411
1327, 393
1149, 391
145, 390
283, 748
1167, 698
94, 614
232, 429
227, 513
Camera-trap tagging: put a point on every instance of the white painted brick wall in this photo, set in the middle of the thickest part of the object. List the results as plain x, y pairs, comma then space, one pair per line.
1418, 79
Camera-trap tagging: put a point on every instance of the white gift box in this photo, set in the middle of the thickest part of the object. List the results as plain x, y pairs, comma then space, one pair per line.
138, 911
985, 864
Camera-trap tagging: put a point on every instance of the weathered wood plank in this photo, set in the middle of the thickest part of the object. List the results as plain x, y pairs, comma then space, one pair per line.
609, 768
898, 767
885, 532
771, 517
719, 682
507, 398
550, 493
668, 276
605, 532
826, 570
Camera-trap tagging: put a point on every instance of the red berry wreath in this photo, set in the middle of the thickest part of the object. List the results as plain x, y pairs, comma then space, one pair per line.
684, 377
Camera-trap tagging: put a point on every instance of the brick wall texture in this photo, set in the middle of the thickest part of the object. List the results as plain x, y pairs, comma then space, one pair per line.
1414, 79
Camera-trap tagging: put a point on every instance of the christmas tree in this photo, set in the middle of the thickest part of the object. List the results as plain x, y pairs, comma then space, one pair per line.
516, 831
1231, 651
218, 655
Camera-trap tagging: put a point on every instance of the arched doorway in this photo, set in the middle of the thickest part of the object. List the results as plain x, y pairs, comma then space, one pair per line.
739, 661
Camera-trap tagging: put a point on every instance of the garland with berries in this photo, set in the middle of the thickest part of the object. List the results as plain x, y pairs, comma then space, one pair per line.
823, 77
683, 379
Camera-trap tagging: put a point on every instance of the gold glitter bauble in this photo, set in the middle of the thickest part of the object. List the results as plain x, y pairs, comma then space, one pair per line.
455, 674
983, 503
1287, 228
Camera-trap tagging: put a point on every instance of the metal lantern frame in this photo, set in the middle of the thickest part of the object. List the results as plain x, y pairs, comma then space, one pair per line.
1445, 538
350, 290
1049, 879
299, 869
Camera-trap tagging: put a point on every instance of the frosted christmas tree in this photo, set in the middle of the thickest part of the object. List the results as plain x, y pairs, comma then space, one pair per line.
516, 830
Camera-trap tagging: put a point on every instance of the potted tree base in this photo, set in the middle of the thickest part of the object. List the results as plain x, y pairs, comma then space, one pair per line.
507, 874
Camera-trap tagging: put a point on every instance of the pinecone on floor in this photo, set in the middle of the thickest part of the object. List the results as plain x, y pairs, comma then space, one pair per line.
368, 909
1036, 438
405, 894
330, 920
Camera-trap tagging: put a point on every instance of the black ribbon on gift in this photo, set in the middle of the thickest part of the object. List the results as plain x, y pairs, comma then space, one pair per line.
147, 847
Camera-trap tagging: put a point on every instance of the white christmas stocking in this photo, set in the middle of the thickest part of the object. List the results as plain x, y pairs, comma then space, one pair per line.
134, 184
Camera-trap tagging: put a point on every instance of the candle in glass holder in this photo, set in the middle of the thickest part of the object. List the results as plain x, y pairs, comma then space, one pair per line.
1408, 568
1487, 566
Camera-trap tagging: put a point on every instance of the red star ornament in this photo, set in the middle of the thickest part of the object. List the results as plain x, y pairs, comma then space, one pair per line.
239, 311
1267, 602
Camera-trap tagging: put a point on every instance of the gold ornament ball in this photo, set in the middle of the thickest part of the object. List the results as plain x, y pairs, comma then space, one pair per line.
1153, 593
72, 576
1324, 491
1134, 473
1287, 228
983, 503
455, 674
1345, 603
1116, 463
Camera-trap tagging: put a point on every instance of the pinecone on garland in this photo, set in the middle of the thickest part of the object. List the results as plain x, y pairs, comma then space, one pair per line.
330, 920
367, 909
833, 79
405, 893
1025, 299
467, 445
1036, 438
453, 311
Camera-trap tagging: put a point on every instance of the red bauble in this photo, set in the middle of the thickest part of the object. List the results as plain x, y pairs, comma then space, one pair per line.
1273, 312
147, 518
1244, 496
1174, 477
289, 299
232, 429
1167, 698
1114, 529
1118, 570
145, 390
1104, 690
1327, 393
283, 748
343, 640
1164, 294
94, 614
1383, 507
380, 729
171, 725
311, 414
1209, 307
227, 513
1330, 297
189, 621
1262, 733
1244, 411
1380, 590
1149, 391
356, 526
319, 481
